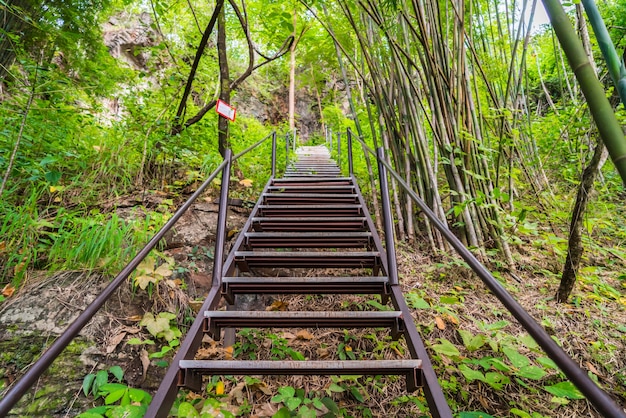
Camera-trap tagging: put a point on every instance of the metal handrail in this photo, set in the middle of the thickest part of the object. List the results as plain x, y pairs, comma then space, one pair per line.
596, 396
15, 393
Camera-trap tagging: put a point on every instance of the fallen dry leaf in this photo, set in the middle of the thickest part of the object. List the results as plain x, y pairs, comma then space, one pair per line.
246, 182
289, 336
145, 362
440, 323
237, 393
452, 319
278, 305
114, 342
135, 318
268, 410
3, 246
323, 352
228, 353
8, 290
304, 335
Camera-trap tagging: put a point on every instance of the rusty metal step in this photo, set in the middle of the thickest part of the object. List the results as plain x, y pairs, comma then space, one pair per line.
364, 285
309, 198
307, 180
308, 240
190, 375
309, 223
312, 188
310, 210
216, 320
312, 260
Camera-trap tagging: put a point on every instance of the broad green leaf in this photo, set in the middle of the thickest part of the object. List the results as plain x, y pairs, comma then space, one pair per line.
186, 409
446, 348
517, 359
529, 342
495, 326
305, 412
134, 341
475, 414
117, 372
416, 302
471, 374
128, 411
87, 382
115, 396
520, 413
102, 377
564, 390
531, 372
318, 404
334, 387
496, 380
466, 336
547, 362
53, 177
138, 395
357, 395
292, 403
89, 414
449, 300
282, 413
287, 391
331, 405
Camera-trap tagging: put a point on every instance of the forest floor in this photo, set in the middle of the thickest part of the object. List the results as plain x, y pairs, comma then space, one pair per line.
484, 359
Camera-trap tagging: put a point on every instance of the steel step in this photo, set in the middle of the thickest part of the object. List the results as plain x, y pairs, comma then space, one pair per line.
312, 188
310, 239
367, 285
310, 210
191, 372
286, 259
308, 198
216, 320
309, 223
330, 180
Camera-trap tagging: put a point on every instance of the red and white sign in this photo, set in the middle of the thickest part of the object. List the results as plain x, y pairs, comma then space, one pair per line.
226, 110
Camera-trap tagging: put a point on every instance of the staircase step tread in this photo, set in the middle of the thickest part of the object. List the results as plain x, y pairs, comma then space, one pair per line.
332, 367
306, 254
347, 315
311, 234
329, 279
307, 218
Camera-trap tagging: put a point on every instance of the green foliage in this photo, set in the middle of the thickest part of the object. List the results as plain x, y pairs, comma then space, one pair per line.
118, 398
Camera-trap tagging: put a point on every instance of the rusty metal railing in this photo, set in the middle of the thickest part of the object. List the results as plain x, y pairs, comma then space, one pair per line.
600, 400
15, 393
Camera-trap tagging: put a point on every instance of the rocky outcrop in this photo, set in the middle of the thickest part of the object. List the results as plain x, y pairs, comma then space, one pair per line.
126, 36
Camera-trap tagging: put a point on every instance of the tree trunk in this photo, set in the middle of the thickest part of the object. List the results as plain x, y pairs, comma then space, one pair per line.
224, 81
292, 76
575, 248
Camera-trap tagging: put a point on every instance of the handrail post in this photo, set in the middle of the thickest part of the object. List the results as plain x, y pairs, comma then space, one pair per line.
220, 233
339, 149
274, 154
388, 220
350, 158
286, 149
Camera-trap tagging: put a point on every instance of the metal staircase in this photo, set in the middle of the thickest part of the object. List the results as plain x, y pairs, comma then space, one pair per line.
312, 219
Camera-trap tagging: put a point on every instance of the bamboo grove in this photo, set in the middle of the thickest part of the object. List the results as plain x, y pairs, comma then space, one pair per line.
448, 81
